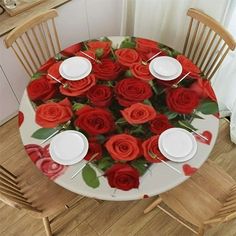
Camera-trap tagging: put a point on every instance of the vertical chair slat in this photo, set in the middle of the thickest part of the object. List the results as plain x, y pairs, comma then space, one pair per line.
25, 57
56, 35
187, 37
10, 180
8, 183
198, 42
12, 190
14, 177
218, 64
15, 195
213, 63
29, 53
42, 34
38, 44
227, 203
22, 62
208, 50
213, 51
50, 38
193, 39
203, 45
33, 48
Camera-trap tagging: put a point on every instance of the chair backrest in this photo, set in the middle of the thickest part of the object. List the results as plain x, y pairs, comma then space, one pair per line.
35, 41
207, 42
11, 193
227, 211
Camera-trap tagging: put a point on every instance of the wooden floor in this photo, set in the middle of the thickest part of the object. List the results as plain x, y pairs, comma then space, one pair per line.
91, 218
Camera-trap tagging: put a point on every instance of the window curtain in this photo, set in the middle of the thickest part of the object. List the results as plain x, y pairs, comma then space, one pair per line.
166, 22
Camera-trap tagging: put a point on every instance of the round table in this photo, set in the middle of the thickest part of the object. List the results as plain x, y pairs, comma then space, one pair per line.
121, 59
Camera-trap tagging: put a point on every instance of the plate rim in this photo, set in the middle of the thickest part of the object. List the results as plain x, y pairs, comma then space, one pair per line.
75, 160
75, 78
165, 78
186, 157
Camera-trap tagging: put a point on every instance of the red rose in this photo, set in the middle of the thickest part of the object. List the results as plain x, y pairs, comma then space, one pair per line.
142, 72
94, 149
41, 157
100, 95
203, 88
20, 118
182, 100
107, 70
52, 114
122, 176
82, 109
47, 64
79, 87
95, 121
101, 48
127, 56
151, 150
160, 124
72, 50
123, 147
146, 48
131, 90
40, 89
139, 113
188, 65
54, 71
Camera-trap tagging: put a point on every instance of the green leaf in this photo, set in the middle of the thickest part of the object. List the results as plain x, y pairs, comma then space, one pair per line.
110, 83
76, 106
105, 39
43, 133
147, 102
99, 52
128, 73
194, 115
171, 115
137, 130
186, 125
36, 75
90, 177
127, 43
208, 107
58, 57
104, 163
141, 165
101, 138
121, 121
153, 87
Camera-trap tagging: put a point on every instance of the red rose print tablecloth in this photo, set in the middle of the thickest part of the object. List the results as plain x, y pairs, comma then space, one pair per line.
122, 110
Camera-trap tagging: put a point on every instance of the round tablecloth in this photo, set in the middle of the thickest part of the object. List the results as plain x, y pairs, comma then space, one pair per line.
122, 109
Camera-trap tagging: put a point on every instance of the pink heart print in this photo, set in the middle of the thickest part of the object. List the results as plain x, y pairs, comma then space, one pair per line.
206, 134
189, 170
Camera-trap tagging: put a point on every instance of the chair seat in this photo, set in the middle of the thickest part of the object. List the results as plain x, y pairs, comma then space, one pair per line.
200, 197
45, 195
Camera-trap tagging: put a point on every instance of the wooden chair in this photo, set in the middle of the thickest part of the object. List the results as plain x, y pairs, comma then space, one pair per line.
35, 41
34, 193
207, 42
205, 199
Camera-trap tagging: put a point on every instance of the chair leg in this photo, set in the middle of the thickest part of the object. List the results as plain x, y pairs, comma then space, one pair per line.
153, 205
201, 231
47, 226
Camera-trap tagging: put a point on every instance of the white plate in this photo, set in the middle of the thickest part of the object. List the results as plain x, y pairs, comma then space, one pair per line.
177, 144
165, 68
68, 147
75, 68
